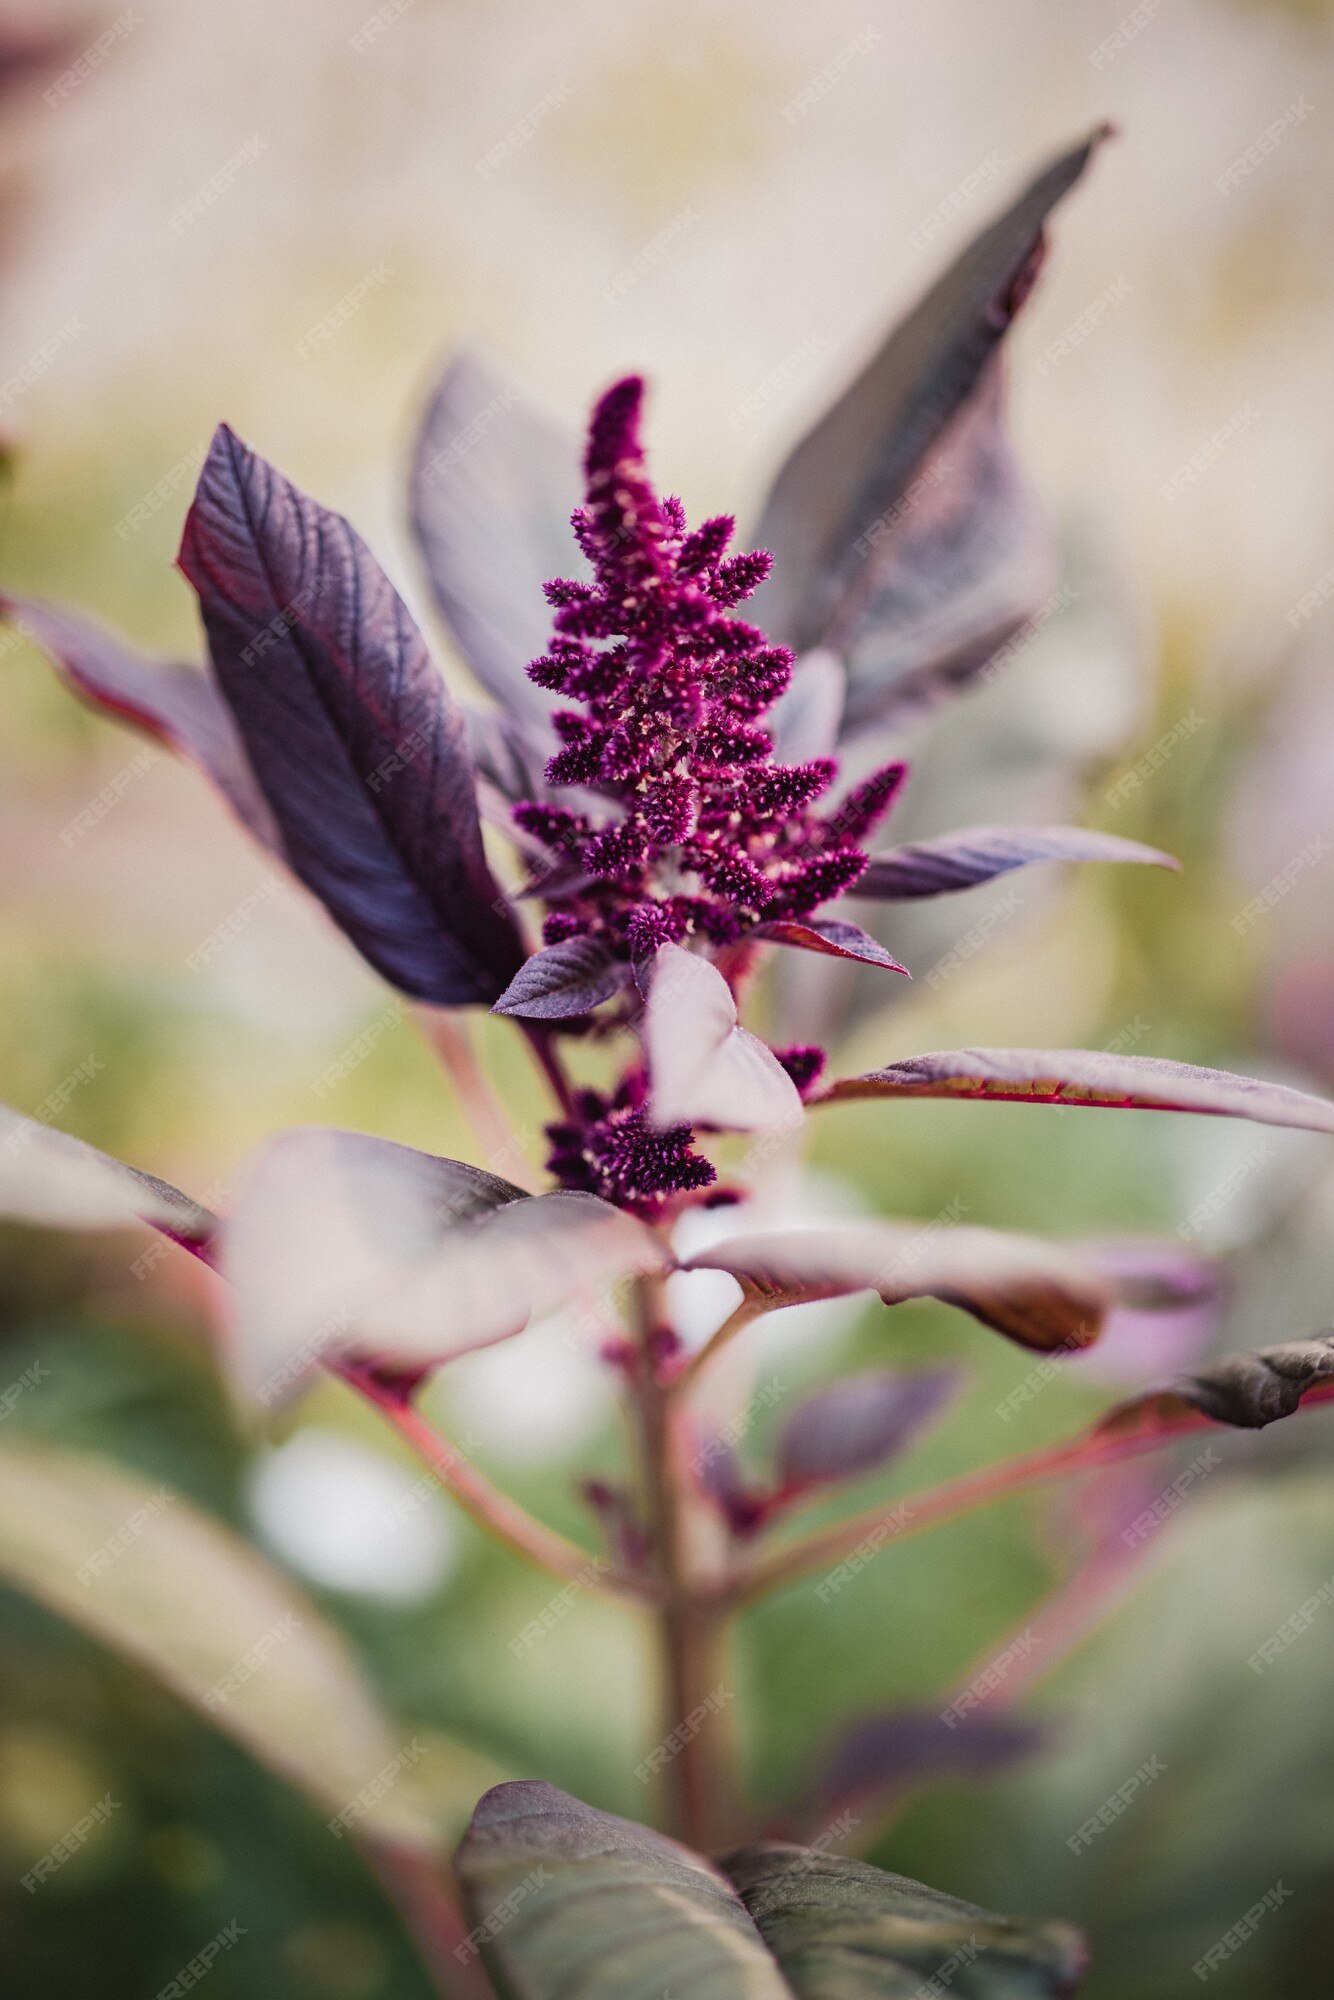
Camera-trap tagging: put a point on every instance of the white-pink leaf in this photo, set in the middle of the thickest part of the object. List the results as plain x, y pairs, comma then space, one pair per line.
704, 1069
51, 1178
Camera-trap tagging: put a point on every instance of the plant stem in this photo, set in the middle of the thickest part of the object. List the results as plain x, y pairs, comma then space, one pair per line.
489, 1507
695, 1752
897, 1519
419, 1889
539, 1041
504, 1151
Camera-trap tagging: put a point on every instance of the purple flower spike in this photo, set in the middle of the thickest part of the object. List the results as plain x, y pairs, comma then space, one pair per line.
705, 834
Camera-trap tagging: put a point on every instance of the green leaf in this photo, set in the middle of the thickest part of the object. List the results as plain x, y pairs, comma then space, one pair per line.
151, 1576
570, 1902
842, 1930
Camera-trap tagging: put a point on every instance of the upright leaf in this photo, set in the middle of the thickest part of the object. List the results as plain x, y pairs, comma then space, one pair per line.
493, 484
568, 1903
1089, 1077
349, 730
903, 534
706, 1069
882, 1756
148, 1574
842, 1930
860, 1423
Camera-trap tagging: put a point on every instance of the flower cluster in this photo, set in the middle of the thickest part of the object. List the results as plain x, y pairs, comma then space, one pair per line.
708, 834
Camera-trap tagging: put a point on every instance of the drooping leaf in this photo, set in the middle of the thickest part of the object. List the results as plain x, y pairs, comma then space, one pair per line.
349, 729
144, 1571
704, 1069
566, 979
493, 483
1246, 1391
860, 1423
830, 935
1089, 1077
1034, 1292
884, 1755
903, 533
1167, 1302
842, 1930
179, 705
49, 1177
979, 853
345, 1244
568, 1903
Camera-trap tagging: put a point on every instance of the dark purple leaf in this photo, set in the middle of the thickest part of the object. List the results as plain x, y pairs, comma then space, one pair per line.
830, 935
978, 853
903, 534
493, 484
1089, 1077
1246, 1391
859, 1424
568, 978
888, 1754
177, 704
349, 729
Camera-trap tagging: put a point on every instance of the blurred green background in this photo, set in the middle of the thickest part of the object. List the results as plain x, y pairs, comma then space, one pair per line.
475, 171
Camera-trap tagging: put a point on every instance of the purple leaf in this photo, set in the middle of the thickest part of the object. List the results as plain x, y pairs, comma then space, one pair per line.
349, 729
902, 532
493, 483
1246, 1391
860, 1423
704, 1069
177, 704
349, 1245
51, 1178
568, 978
1089, 1077
838, 939
978, 853
1033, 1292
1167, 1304
887, 1754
